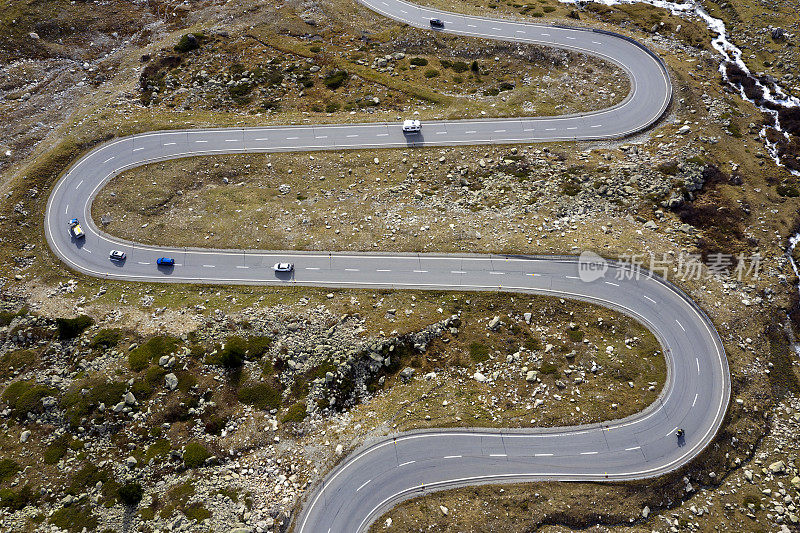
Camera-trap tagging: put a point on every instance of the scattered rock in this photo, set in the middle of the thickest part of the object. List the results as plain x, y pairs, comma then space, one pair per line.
407, 373
130, 399
778, 467
171, 381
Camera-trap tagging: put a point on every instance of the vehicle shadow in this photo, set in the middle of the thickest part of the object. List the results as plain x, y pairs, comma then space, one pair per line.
165, 269
414, 139
119, 263
285, 276
78, 242
681, 441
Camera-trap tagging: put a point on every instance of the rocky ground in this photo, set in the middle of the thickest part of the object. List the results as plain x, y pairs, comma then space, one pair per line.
246, 396
506, 199
226, 418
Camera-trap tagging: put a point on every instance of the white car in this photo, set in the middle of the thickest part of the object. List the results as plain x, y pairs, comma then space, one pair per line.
412, 126
116, 255
283, 267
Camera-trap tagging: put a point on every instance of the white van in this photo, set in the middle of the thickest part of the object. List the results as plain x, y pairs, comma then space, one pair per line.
412, 126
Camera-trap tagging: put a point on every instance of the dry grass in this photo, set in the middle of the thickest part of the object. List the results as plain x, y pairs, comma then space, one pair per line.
507, 80
453, 398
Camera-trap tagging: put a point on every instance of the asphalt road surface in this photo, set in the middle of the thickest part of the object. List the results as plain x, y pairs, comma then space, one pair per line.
380, 474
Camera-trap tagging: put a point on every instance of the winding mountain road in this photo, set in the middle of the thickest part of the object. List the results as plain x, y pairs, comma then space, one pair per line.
380, 474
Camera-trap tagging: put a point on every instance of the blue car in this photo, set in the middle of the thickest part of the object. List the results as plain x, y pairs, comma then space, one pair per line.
165, 261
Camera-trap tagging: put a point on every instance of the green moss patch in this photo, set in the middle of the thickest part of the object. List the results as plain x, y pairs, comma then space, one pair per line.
149, 352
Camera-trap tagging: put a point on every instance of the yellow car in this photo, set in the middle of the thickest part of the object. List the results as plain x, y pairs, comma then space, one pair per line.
76, 229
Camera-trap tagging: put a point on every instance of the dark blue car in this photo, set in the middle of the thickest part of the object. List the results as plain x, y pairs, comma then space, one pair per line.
165, 261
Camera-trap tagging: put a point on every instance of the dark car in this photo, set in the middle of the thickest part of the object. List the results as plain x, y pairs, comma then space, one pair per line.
437, 23
165, 261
